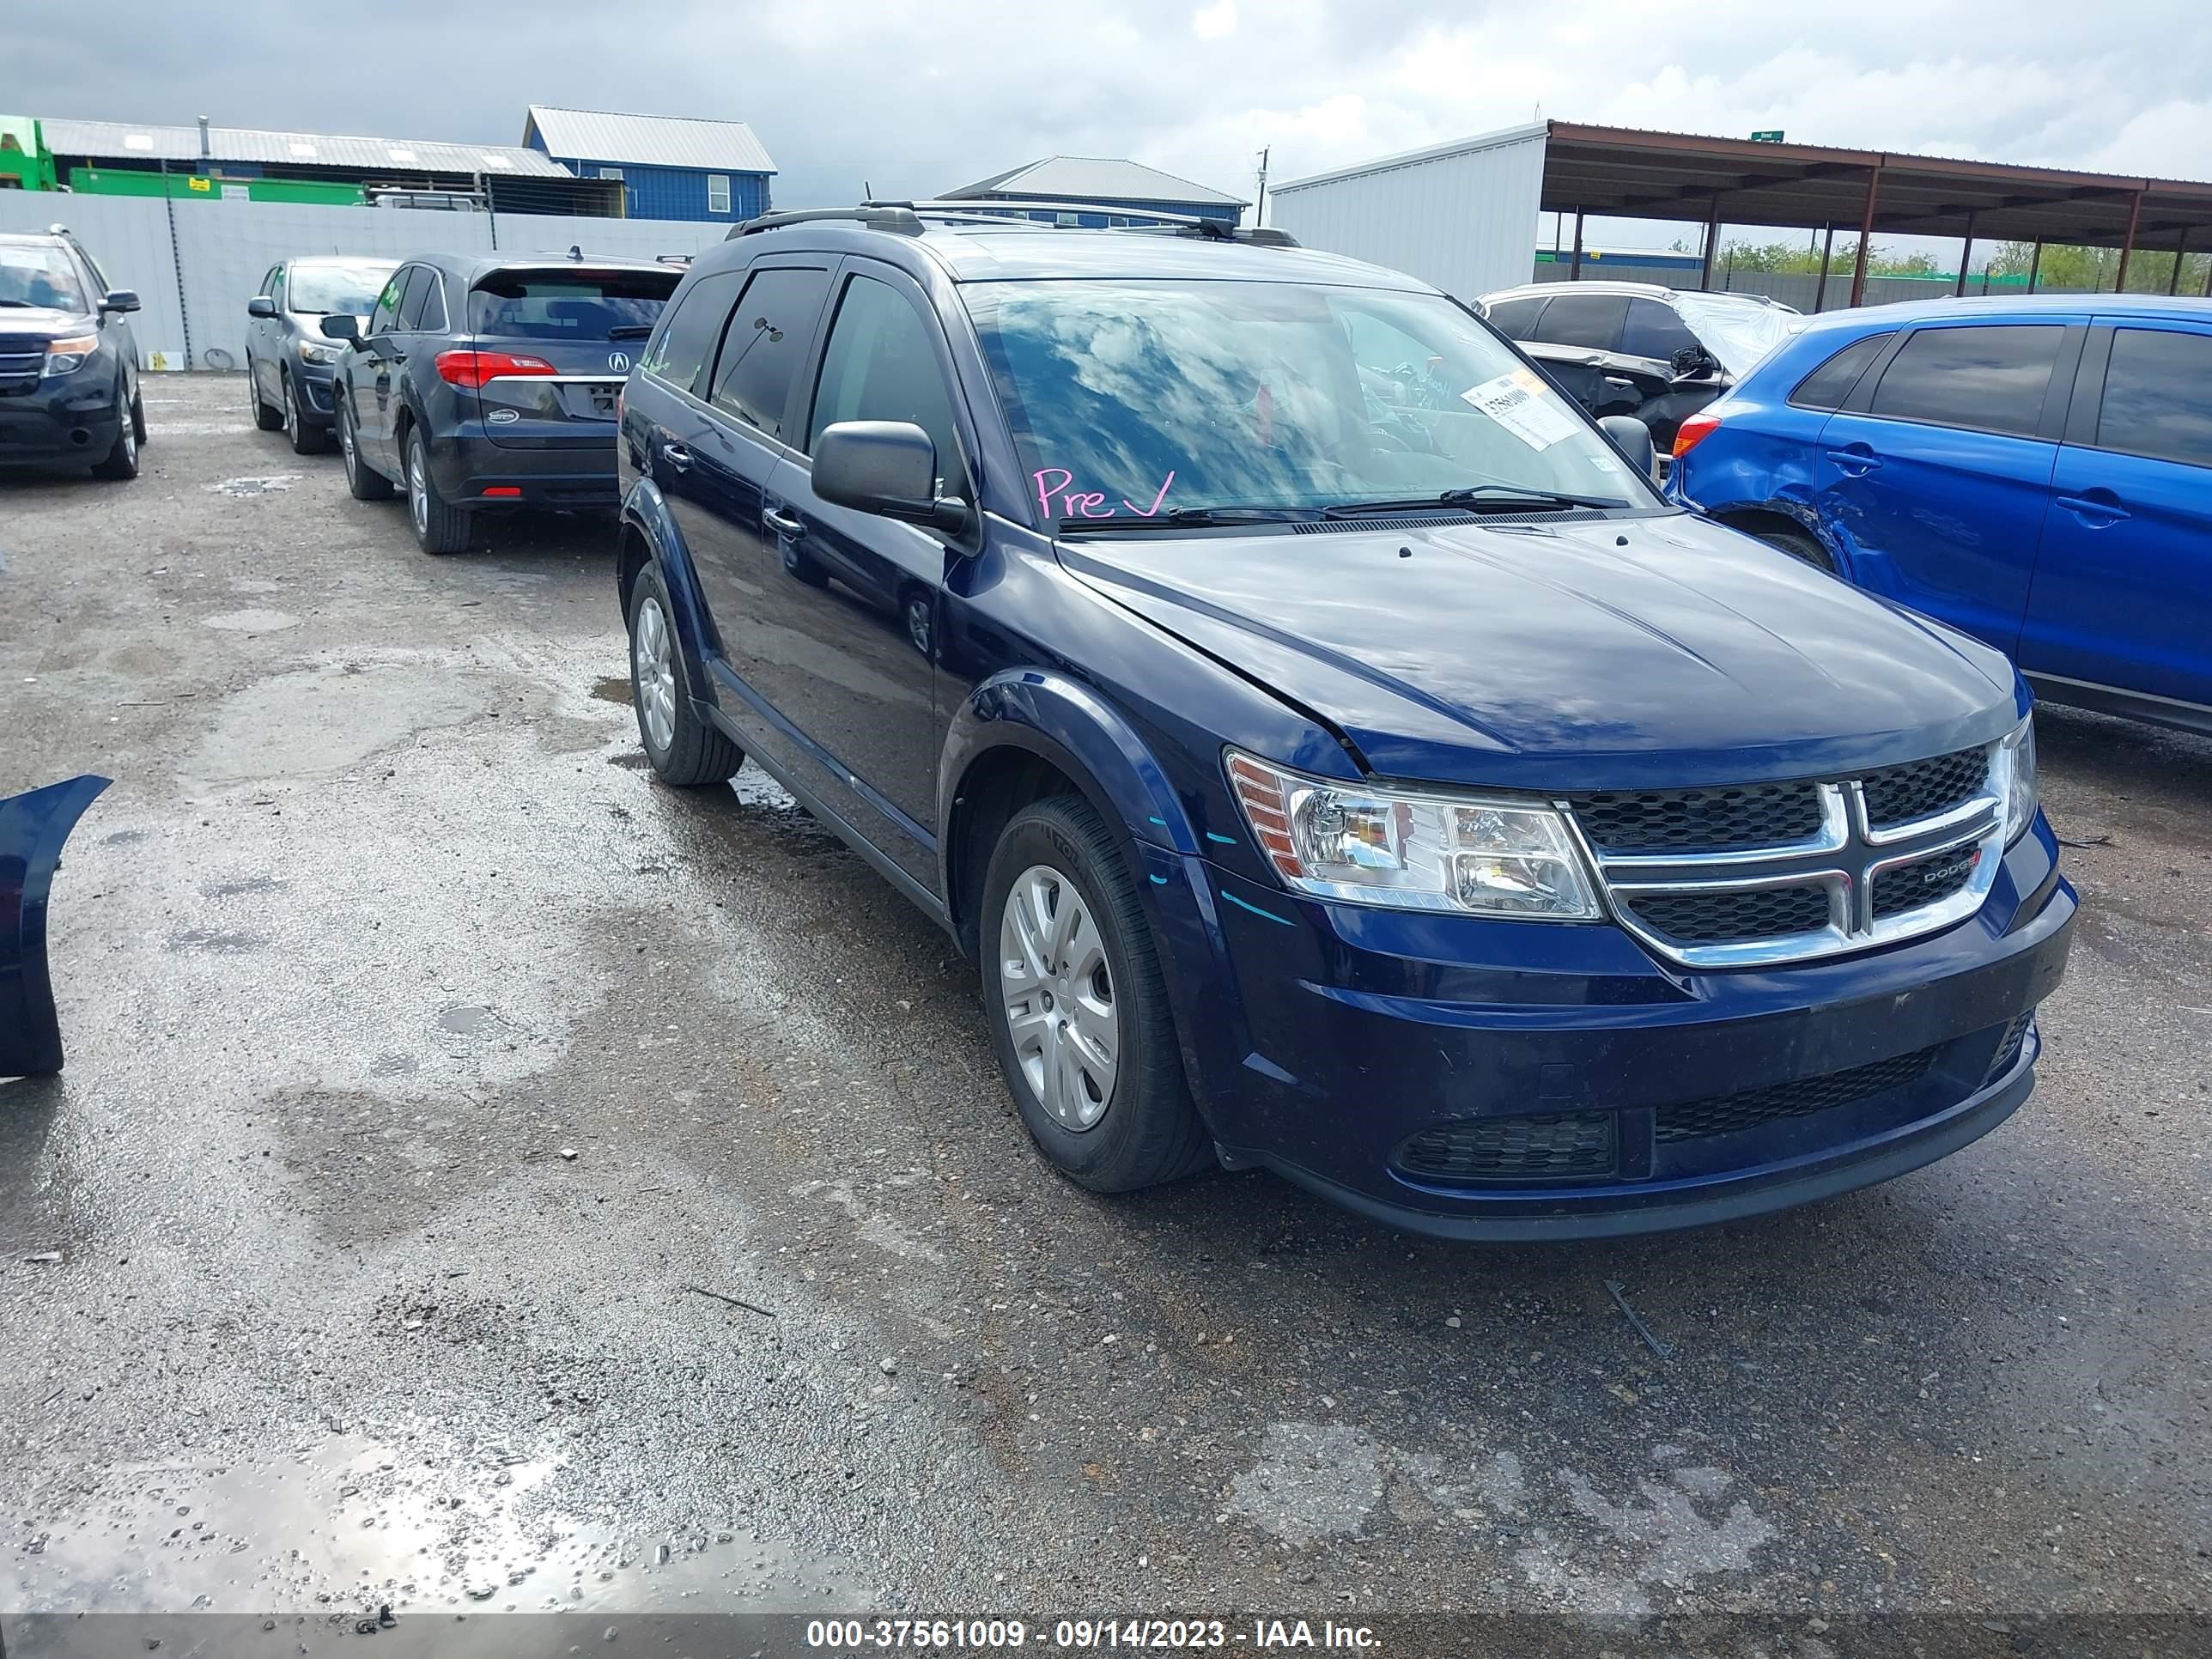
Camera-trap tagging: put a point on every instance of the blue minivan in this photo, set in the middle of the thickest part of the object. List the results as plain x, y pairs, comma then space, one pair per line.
2037, 471
1333, 754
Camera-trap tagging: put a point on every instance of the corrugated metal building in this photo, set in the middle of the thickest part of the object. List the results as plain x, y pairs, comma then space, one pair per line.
670, 166
1097, 179
1461, 216
122, 157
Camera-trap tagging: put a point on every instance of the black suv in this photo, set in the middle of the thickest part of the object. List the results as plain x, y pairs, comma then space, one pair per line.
491, 383
69, 368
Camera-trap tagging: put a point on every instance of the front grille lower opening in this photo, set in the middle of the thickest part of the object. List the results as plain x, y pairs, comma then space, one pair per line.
1721, 1114
1513, 1151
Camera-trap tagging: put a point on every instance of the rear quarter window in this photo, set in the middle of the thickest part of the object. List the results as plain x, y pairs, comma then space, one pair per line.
1830, 384
687, 345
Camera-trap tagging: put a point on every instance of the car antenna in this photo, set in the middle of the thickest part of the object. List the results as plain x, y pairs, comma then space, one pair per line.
576, 251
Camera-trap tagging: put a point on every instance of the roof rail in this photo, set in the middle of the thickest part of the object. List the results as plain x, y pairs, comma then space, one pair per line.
883, 215
908, 218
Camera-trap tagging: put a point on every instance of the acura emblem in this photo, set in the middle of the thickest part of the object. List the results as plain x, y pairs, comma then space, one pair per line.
618, 362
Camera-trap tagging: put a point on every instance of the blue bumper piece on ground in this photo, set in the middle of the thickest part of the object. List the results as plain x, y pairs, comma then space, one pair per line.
32, 827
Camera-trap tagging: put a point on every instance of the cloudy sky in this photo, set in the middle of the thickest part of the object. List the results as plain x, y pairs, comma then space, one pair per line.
917, 98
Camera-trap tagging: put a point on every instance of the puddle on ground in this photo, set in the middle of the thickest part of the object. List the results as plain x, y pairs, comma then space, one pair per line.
465, 1019
254, 486
353, 1525
612, 688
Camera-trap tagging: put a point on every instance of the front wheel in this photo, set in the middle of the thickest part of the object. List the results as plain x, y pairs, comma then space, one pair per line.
1078, 1007
1800, 546
307, 437
121, 462
363, 481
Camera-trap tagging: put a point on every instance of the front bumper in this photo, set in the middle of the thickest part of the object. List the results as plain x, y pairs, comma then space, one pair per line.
58, 423
1491, 1080
312, 383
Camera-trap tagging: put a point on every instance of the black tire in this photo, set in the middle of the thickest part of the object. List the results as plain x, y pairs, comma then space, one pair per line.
138, 417
805, 568
120, 464
308, 437
268, 419
697, 751
1147, 1131
1798, 545
363, 481
439, 527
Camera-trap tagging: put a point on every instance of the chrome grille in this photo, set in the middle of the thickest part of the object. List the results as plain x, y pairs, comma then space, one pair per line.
1919, 789
17, 365
1759, 873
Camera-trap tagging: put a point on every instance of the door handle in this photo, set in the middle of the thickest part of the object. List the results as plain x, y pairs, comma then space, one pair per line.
1854, 463
783, 523
2092, 512
677, 456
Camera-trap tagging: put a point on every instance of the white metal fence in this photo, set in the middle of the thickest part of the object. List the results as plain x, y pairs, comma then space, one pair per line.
195, 264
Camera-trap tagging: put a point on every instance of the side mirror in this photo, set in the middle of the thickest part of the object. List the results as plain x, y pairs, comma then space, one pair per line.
886, 467
261, 306
339, 325
1634, 440
1692, 359
119, 299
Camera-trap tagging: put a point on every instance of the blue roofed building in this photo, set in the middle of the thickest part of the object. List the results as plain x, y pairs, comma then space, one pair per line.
1097, 179
669, 166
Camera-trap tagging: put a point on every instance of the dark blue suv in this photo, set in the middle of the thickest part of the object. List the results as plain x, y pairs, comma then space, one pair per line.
2036, 471
1334, 754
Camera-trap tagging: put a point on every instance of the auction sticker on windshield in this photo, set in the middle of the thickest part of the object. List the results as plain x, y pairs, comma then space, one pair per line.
1516, 402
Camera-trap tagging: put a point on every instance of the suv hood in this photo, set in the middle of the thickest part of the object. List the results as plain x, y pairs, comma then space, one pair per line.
42, 320
1611, 652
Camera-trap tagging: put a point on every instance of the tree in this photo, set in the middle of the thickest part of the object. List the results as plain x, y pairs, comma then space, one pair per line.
2091, 270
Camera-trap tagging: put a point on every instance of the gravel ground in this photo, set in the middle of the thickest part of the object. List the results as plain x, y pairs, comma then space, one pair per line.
436, 1080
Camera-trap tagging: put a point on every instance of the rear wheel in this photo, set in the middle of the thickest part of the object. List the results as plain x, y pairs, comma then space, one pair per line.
439, 527
1078, 1007
307, 438
1798, 545
266, 419
683, 748
363, 481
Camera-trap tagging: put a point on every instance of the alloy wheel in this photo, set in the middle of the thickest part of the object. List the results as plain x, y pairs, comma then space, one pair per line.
418, 490
1059, 996
652, 668
291, 411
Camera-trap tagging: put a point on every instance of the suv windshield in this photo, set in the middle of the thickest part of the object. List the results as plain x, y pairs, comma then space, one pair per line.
569, 305
1736, 331
1136, 399
31, 275
324, 290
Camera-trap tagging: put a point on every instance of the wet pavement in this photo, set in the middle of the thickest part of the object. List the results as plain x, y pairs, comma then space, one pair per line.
484, 1178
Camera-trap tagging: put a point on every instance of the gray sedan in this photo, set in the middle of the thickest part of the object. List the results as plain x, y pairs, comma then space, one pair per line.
287, 358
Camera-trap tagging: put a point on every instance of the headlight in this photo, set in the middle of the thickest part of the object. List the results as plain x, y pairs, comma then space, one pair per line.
67, 357
1454, 852
319, 353
2019, 753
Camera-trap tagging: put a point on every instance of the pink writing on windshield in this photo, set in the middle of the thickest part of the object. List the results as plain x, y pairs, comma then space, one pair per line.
1055, 481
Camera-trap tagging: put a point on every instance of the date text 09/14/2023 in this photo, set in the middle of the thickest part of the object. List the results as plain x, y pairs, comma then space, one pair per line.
1083, 1635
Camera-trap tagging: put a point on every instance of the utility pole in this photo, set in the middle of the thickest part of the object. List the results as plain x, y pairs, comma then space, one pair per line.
1260, 214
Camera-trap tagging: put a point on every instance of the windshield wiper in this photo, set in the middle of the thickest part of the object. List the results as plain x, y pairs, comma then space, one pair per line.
1188, 518
25, 304
1476, 498
629, 331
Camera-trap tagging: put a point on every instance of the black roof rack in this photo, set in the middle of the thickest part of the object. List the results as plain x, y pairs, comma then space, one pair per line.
912, 218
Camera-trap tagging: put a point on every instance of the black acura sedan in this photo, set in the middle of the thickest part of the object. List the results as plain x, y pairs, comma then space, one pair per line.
485, 383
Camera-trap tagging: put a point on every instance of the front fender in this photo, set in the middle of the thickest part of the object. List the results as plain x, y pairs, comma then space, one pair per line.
1067, 723
646, 510
32, 827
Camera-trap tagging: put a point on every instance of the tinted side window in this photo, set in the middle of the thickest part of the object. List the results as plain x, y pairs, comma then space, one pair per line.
1991, 380
275, 290
1582, 319
880, 365
411, 298
1514, 317
1828, 386
687, 345
1654, 330
388, 303
766, 341
2158, 396
430, 302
